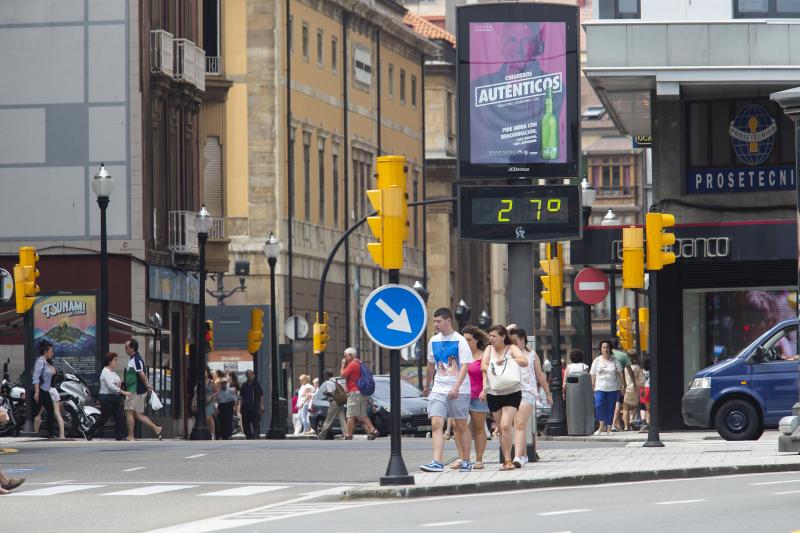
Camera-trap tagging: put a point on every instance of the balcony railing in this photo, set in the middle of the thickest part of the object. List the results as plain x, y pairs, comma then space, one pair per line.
162, 52
183, 236
617, 192
190, 63
214, 65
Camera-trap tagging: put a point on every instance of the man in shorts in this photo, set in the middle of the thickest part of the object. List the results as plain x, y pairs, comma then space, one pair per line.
448, 358
357, 403
138, 385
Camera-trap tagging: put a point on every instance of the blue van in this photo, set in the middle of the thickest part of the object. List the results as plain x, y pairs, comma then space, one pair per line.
741, 396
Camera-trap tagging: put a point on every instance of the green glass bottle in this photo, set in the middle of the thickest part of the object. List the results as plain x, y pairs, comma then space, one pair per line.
549, 129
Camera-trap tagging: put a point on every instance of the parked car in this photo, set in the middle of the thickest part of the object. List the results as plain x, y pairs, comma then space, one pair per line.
741, 396
413, 414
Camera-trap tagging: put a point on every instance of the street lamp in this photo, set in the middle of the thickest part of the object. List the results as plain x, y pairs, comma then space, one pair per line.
202, 224
462, 313
588, 196
102, 185
272, 249
610, 219
484, 320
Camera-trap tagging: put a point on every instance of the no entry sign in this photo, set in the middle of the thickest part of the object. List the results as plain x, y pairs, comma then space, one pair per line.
591, 286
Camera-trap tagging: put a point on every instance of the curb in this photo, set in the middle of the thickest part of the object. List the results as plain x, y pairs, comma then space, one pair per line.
567, 481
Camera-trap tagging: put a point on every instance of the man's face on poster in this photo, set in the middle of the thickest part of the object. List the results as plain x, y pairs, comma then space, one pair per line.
521, 44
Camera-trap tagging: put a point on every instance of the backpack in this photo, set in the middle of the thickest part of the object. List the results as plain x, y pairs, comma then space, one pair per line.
366, 383
340, 396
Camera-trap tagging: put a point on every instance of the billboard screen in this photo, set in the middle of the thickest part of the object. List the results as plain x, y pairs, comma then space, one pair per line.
518, 90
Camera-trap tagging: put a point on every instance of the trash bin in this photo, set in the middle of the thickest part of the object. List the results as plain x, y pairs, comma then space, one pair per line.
580, 404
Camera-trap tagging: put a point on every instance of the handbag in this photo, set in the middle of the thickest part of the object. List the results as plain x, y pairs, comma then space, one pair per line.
339, 395
631, 397
506, 376
155, 403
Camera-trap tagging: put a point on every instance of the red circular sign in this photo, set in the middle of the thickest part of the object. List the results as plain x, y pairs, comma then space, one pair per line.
591, 286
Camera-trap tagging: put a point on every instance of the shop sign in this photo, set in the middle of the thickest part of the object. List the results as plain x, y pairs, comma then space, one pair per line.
642, 141
168, 284
690, 248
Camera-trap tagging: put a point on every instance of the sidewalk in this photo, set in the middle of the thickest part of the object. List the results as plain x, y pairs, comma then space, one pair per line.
685, 454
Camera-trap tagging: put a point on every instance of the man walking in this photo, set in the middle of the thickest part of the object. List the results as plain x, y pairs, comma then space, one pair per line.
138, 385
448, 358
251, 406
325, 399
357, 403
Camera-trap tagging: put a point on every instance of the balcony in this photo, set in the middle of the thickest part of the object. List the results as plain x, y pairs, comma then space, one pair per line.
213, 66
617, 192
183, 236
162, 58
190, 63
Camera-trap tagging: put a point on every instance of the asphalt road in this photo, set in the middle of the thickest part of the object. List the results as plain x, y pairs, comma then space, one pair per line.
148, 485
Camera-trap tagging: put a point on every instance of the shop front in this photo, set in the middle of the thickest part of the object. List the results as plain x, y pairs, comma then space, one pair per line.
731, 281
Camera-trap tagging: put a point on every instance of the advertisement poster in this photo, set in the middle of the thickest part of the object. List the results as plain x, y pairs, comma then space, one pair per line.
69, 322
517, 79
239, 361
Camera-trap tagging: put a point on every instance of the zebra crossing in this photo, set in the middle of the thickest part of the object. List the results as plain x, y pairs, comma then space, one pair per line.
146, 489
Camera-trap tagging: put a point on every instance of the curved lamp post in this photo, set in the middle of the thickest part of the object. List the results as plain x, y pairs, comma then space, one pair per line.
103, 185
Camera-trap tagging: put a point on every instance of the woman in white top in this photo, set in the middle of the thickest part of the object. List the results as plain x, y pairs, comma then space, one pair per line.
500, 357
532, 377
607, 384
111, 399
304, 396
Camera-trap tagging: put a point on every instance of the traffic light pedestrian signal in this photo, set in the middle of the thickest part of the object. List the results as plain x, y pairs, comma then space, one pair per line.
256, 334
644, 329
657, 240
625, 328
208, 335
553, 278
321, 334
632, 258
390, 226
25, 279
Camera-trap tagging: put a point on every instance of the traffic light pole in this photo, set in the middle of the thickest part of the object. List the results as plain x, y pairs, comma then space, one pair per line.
555, 423
276, 429
200, 430
653, 439
396, 471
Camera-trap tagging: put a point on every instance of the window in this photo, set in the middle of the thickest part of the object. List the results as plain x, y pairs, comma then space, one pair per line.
390, 80
321, 184
334, 54
362, 65
320, 53
620, 9
745, 9
211, 28
450, 115
305, 41
213, 186
413, 91
415, 198
335, 166
402, 86
612, 176
307, 175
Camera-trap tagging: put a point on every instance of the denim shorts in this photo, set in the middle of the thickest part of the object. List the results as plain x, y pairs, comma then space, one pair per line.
440, 405
477, 406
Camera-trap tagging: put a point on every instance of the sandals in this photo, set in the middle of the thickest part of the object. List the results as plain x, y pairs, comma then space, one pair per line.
455, 465
508, 465
373, 435
160, 435
477, 466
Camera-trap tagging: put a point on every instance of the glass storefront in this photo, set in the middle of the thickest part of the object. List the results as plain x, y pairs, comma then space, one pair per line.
718, 323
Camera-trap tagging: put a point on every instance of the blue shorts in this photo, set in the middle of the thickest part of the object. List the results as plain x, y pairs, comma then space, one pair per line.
477, 406
440, 405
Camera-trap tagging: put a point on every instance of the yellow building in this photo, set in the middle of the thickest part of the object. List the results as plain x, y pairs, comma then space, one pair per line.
295, 163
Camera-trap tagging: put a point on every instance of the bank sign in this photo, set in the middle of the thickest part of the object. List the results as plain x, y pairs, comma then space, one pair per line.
752, 134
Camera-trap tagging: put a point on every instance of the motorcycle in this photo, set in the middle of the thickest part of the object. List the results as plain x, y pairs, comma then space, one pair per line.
80, 412
12, 399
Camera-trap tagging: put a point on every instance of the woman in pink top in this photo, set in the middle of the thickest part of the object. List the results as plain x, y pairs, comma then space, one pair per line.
477, 340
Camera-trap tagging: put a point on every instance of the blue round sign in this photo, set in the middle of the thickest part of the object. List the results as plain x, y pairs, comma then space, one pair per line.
752, 134
394, 316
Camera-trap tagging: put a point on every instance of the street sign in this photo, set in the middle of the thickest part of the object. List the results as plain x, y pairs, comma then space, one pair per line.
591, 286
394, 316
6, 285
296, 327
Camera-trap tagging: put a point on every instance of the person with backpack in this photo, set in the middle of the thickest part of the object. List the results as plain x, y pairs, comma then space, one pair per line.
332, 397
360, 386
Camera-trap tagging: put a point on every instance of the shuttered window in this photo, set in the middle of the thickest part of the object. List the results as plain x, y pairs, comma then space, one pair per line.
213, 188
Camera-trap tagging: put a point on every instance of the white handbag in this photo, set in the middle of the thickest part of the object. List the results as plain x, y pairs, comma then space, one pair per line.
155, 402
504, 376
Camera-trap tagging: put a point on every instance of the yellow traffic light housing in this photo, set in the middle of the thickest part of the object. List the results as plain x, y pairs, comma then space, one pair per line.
390, 226
553, 278
25, 279
256, 334
624, 328
321, 334
657, 240
644, 329
632, 258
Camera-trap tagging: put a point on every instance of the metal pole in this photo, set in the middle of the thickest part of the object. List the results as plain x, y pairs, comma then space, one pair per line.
396, 472
555, 423
653, 440
27, 380
200, 430
289, 161
276, 429
587, 344
636, 327
104, 341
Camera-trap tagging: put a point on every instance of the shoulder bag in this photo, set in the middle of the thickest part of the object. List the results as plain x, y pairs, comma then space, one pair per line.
505, 375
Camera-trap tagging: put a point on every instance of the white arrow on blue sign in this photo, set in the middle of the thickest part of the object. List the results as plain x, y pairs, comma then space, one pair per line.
394, 316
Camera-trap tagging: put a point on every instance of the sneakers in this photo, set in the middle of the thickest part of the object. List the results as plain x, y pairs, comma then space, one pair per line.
598, 432
644, 429
433, 466
466, 466
519, 462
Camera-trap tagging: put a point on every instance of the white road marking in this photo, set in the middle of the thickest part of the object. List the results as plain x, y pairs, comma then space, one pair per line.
134, 469
786, 492
334, 491
247, 490
196, 456
440, 524
591, 286
59, 482
775, 482
568, 511
678, 502
149, 490
56, 489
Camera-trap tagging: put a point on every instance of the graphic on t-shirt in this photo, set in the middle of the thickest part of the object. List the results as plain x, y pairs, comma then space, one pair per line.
445, 355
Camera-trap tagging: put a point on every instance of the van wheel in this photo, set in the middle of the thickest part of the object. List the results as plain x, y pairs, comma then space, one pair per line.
738, 420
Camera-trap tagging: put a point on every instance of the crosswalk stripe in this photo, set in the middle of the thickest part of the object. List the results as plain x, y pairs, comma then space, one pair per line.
56, 489
247, 490
149, 490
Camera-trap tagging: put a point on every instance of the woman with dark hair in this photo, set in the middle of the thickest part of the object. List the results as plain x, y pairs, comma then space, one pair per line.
111, 399
502, 385
42, 380
233, 384
478, 408
607, 383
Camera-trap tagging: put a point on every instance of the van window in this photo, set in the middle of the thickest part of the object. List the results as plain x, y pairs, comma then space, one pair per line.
782, 346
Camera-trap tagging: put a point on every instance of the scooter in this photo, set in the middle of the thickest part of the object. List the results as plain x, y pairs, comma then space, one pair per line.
12, 398
80, 412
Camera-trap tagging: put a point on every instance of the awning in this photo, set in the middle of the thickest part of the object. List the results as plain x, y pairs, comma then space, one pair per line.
10, 322
125, 325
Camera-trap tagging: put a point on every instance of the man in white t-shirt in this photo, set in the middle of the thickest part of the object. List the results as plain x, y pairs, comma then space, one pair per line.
448, 358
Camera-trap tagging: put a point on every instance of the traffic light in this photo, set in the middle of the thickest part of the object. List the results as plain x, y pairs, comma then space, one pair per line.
208, 335
25, 278
256, 333
644, 329
624, 328
390, 226
321, 334
553, 278
632, 258
657, 239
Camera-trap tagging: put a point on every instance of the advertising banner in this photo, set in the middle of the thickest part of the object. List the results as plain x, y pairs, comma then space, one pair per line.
69, 323
517, 90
